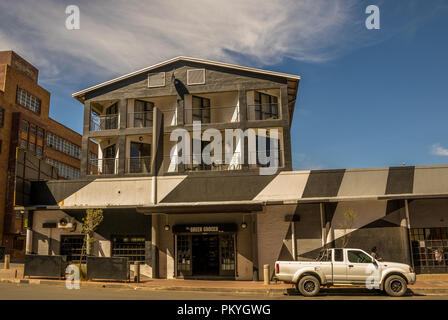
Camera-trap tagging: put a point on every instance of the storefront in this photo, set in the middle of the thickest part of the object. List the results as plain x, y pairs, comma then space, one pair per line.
205, 250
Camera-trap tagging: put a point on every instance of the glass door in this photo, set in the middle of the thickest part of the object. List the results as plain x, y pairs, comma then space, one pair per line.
183, 255
227, 254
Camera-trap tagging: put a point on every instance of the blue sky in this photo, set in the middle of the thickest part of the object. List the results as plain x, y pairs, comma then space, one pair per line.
368, 98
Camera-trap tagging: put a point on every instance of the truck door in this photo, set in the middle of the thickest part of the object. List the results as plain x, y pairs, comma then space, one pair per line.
339, 267
359, 266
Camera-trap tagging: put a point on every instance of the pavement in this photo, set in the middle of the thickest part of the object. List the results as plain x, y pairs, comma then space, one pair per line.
426, 284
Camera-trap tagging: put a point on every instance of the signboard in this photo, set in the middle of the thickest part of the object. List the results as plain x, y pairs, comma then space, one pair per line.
205, 228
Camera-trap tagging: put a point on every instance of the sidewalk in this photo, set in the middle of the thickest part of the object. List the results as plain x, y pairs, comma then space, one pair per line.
427, 284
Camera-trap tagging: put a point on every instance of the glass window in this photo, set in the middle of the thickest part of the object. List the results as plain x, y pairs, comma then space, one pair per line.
40, 133
33, 130
265, 106
27, 100
24, 126
356, 256
338, 255
201, 109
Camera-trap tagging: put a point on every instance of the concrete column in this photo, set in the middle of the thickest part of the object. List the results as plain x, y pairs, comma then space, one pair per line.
322, 224
255, 247
286, 130
85, 141
293, 240
123, 113
121, 144
406, 223
155, 245
29, 241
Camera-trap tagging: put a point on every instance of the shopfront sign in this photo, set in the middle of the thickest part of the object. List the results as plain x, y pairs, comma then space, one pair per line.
205, 228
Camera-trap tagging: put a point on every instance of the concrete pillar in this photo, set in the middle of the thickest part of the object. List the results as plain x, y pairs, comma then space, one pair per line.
155, 245
406, 225
266, 274
255, 247
322, 225
29, 241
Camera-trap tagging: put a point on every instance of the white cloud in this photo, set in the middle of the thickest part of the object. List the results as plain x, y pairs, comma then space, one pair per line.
120, 36
438, 150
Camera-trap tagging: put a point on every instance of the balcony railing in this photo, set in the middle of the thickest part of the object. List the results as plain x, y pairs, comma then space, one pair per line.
264, 111
138, 165
212, 114
103, 166
236, 163
139, 119
104, 122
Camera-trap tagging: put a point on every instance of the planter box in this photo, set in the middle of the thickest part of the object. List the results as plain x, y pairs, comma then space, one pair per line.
105, 268
45, 266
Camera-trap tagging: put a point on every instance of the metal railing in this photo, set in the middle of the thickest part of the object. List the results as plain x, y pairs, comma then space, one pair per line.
138, 165
236, 162
103, 122
263, 111
212, 115
139, 119
103, 166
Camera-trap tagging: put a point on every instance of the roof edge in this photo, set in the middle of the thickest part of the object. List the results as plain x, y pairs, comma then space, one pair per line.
78, 94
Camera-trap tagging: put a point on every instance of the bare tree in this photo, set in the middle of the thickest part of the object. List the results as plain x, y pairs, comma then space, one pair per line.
347, 225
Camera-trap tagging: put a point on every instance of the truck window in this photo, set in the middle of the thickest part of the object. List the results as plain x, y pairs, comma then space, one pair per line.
338, 255
355, 256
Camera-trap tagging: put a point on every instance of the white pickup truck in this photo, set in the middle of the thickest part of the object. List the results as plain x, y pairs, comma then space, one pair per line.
345, 267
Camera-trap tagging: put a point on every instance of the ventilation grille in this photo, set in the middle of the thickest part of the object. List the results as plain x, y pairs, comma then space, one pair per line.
156, 79
195, 76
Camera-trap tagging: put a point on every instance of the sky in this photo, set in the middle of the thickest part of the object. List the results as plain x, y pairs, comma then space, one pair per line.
367, 98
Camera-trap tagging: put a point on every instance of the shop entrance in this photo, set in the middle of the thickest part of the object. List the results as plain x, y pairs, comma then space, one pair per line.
205, 254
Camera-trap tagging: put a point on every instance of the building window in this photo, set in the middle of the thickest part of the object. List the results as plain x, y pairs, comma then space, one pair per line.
131, 247
27, 100
64, 170
40, 133
2, 117
63, 145
23, 144
39, 152
25, 126
201, 109
266, 106
429, 249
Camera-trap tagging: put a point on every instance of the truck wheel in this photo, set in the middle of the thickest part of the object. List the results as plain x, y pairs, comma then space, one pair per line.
395, 286
308, 286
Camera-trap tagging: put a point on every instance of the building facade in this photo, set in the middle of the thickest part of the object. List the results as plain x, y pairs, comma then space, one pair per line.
225, 219
25, 124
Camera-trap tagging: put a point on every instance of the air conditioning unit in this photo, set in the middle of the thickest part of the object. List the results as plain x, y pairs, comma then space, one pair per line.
65, 223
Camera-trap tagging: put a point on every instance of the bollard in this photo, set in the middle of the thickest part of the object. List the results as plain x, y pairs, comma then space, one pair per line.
7, 259
266, 274
137, 271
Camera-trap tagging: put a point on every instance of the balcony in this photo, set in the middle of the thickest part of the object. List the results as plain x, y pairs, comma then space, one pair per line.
103, 122
236, 163
139, 119
138, 165
227, 114
264, 111
103, 166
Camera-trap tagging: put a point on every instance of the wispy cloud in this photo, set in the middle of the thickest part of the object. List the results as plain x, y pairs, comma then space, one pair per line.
438, 150
117, 37
302, 161
121, 36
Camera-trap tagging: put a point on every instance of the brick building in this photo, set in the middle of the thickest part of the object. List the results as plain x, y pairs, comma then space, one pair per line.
25, 124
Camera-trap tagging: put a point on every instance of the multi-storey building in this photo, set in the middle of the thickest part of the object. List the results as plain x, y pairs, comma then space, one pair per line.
25, 124
225, 218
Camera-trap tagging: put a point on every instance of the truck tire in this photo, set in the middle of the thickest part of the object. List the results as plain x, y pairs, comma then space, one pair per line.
308, 286
395, 286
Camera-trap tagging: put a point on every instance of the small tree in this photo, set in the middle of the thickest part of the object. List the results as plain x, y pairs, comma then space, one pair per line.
90, 223
349, 219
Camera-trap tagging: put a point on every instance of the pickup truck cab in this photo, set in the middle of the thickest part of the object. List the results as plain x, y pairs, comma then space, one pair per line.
345, 267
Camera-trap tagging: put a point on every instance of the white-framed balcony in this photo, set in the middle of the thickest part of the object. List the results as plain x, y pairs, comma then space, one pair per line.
263, 105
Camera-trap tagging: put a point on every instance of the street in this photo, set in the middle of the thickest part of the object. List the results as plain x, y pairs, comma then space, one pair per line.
9, 291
